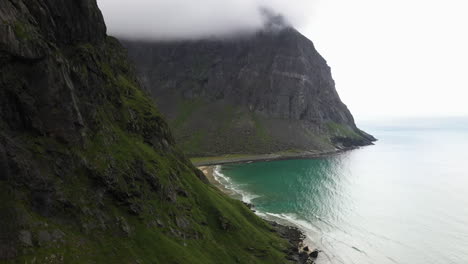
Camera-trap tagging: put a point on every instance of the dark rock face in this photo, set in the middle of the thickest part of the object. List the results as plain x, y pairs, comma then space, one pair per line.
89, 171
272, 90
314, 254
34, 103
296, 238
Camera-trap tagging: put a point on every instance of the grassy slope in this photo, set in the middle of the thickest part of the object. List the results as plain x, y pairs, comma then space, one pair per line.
124, 198
222, 128
221, 133
207, 123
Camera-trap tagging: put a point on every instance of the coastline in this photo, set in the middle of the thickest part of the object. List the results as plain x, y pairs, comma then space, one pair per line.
300, 252
247, 158
209, 173
304, 249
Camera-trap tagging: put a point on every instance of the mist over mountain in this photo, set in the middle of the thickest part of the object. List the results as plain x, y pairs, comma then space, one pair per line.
180, 19
89, 169
268, 93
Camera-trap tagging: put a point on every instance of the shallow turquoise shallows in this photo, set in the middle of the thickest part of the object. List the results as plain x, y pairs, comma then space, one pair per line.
404, 200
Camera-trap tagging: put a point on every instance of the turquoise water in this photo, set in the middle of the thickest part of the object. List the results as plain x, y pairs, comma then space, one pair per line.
404, 200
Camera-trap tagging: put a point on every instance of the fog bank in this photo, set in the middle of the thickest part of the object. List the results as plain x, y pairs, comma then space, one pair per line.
189, 19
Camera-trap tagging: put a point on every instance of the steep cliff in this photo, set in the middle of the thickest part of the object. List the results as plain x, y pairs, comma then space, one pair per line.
254, 94
89, 172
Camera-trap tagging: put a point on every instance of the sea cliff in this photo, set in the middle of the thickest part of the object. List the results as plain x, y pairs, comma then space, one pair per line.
89, 169
264, 93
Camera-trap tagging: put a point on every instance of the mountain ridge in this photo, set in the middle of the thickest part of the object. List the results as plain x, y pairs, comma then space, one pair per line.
265, 93
89, 169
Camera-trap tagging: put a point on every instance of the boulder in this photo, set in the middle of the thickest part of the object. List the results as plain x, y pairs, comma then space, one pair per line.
314, 254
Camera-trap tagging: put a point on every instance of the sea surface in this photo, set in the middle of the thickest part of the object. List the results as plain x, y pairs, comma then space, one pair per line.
404, 200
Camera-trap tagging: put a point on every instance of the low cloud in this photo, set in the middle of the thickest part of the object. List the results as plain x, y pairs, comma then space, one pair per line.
193, 19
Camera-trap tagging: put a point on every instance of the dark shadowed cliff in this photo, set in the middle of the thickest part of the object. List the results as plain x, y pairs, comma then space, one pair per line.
265, 93
89, 172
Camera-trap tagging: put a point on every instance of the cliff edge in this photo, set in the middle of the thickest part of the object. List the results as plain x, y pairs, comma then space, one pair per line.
89, 171
265, 93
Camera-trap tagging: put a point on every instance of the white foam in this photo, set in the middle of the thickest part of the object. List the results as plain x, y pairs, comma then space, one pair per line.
313, 233
224, 180
315, 236
292, 220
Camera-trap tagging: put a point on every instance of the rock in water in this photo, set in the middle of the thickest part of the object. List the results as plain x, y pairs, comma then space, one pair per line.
264, 93
314, 254
303, 258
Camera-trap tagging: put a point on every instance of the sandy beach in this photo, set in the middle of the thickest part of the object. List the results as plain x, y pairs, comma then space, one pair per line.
209, 173
285, 229
203, 162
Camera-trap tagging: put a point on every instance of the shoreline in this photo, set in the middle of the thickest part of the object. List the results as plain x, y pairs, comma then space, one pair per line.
209, 173
247, 158
300, 252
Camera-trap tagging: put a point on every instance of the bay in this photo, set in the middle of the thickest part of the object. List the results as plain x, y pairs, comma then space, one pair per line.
404, 200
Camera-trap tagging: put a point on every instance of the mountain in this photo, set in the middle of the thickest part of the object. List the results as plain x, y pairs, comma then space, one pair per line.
89, 171
265, 93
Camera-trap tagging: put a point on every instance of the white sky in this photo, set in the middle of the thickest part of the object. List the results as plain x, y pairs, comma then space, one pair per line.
192, 19
395, 57
388, 57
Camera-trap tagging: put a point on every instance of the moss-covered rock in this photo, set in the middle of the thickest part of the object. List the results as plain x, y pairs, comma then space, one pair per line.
89, 171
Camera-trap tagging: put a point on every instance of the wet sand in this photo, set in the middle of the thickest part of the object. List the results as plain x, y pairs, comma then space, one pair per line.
209, 173
295, 236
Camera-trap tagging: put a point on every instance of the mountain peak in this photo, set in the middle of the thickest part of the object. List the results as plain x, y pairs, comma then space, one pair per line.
273, 21
271, 92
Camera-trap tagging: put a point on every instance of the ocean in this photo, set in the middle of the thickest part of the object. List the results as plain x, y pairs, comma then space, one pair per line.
403, 200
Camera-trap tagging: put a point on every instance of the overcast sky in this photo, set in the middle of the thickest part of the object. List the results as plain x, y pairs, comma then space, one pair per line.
169, 19
395, 58
389, 58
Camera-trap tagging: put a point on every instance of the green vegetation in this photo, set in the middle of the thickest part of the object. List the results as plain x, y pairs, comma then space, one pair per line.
186, 109
202, 128
247, 240
339, 130
198, 161
194, 142
261, 133
125, 194
202, 160
20, 30
225, 118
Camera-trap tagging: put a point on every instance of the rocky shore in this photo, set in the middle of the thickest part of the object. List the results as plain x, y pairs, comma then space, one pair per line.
299, 252
89, 169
